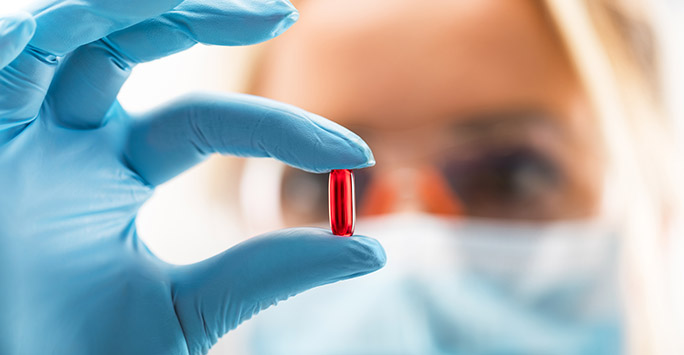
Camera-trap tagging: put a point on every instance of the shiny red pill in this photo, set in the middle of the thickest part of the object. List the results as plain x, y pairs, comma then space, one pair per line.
341, 202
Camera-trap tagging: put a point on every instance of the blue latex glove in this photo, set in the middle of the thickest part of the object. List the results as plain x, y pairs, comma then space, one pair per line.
75, 168
15, 32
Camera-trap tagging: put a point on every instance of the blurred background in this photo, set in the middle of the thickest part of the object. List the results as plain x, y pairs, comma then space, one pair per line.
531, 120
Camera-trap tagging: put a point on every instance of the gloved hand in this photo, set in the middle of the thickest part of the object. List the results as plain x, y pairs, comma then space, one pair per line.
75, 168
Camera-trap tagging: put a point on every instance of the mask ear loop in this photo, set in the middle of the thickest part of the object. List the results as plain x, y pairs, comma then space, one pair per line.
260, 195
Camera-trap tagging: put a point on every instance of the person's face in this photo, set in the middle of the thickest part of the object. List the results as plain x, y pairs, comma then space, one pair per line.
470, 107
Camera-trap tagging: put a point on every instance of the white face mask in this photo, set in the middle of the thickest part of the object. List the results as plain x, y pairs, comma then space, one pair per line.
463, 286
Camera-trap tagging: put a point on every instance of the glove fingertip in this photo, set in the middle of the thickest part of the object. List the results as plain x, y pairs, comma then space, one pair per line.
367, 254
340, 148
285, 24
363, 154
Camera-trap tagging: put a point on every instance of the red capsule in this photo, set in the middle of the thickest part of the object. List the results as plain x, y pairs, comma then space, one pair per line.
341, 202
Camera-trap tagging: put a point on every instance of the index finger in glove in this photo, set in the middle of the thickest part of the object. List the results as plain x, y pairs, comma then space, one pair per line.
170, 140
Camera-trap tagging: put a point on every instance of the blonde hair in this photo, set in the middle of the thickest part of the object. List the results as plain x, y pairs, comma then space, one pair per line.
615, 50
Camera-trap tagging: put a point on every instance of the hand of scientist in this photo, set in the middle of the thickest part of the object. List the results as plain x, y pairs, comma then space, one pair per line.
75, 168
